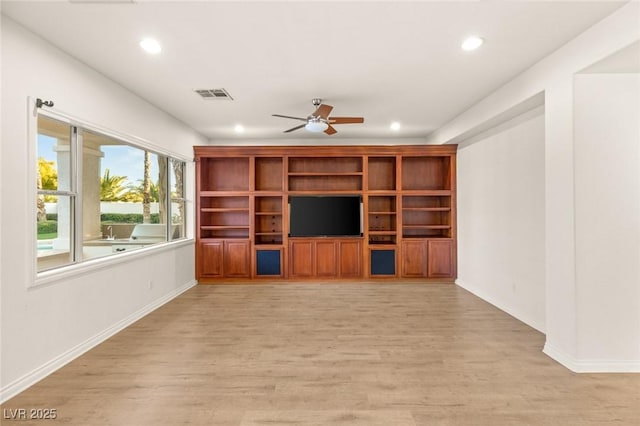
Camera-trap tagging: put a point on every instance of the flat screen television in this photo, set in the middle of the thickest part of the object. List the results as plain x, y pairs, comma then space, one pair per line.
325, 216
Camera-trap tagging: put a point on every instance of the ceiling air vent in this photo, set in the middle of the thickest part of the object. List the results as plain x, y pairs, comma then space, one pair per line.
214, 94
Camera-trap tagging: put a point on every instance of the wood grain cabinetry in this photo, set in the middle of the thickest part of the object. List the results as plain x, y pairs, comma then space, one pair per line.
414, 259
224, 258
431, 258
440, 259
237, 259
325, 258
325, 174
209, 259
408, 206
350, 258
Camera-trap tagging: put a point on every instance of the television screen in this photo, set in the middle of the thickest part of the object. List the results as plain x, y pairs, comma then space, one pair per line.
321, 216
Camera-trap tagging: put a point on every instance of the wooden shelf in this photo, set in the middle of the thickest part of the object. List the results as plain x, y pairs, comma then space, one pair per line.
220, 209
381, 174
427, 193
408, 197
327, 184
320, 192
224, 233
268, 218
268, 174
210, 239
426, 227
326, 175
217, 194
422, 237
323, 174
216, 227
381, 193
382, 215
224, 200
382, 245
335, 165
427, 209
224, 174
426, 173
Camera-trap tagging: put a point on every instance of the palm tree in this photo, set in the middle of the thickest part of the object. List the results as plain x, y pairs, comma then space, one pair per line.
135, 192
146, 189
178, 171
112, 188
162, 187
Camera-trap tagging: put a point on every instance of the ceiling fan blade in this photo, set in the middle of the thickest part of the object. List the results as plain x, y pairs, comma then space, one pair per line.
288, 116
323, 111
346, 120
295, 128
330, 130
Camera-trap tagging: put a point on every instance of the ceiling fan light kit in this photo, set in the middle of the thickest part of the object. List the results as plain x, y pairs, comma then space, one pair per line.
316, 126
320, 121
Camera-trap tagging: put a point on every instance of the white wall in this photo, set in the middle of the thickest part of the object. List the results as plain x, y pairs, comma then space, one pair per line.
559, 223
566, 310
607, 198
44, 327
501, 217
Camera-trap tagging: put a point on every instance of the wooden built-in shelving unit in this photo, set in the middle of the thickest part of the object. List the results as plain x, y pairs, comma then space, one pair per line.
409, 212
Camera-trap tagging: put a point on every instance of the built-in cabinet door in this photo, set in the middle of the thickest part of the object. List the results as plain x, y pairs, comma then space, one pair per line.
350, 259
440, 264
211, 255
225, 258
414, 259
428, 259
320, 258
301, 259
237, 259
325, 257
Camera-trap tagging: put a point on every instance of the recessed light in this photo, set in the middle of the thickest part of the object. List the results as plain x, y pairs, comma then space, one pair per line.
239, 128
151, 46
395, 126
472, 43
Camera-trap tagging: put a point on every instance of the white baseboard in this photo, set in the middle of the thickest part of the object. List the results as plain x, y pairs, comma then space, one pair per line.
514, 313
29, 379
573, 364
591, 365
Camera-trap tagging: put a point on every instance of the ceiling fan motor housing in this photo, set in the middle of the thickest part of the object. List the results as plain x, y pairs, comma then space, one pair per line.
319, 120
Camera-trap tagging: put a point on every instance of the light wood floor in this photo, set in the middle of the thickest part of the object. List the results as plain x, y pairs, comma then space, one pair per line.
325, 354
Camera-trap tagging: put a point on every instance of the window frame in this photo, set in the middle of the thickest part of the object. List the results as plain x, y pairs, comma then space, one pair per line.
78, 264
170, 199
71, 193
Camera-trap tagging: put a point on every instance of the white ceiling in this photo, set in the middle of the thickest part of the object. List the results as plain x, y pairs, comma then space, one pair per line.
385, 60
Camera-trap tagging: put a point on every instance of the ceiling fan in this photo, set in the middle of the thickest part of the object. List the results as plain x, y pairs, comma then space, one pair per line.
320, 121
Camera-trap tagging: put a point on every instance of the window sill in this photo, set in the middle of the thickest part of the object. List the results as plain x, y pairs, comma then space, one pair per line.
91, 265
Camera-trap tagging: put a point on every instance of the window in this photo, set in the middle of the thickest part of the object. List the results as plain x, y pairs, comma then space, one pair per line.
56, 196
178, 201
99, 195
